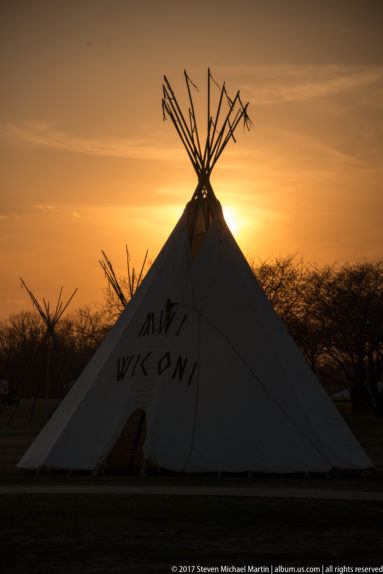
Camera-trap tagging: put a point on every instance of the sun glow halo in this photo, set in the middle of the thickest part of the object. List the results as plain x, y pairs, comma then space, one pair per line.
232, 219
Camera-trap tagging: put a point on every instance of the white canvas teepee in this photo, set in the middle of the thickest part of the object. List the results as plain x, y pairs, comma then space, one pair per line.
199, 374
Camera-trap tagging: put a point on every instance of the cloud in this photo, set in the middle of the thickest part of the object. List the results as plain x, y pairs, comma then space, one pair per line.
76, 214
9, 212
45, 208
277, 84
47, 134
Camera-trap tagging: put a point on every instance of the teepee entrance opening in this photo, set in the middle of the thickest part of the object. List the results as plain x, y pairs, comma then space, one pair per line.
127, 453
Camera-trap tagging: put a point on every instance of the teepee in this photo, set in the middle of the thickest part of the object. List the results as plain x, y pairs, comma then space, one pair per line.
199, 374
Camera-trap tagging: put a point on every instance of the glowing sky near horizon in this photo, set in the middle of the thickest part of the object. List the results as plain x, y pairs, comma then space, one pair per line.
88, 164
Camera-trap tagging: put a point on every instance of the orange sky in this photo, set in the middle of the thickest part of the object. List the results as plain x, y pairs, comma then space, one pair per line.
88, 164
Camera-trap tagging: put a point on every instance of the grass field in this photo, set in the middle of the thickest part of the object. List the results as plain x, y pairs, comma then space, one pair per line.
150, 533
146, 533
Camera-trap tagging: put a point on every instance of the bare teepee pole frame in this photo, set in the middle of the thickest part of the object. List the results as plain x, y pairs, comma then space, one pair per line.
219, 131
133, 280
50, 318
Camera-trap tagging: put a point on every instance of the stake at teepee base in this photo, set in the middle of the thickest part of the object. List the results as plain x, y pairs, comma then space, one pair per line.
199, 374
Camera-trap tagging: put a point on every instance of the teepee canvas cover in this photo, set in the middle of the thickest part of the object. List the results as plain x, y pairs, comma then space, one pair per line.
201, 358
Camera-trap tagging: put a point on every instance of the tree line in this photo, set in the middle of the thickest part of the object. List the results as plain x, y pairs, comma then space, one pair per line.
333, 312
335, 315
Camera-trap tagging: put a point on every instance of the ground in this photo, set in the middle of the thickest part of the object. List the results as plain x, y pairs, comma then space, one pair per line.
89, 533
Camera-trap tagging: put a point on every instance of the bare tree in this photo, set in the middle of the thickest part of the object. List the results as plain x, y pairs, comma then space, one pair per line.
352, 306
335, 315
294, 289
